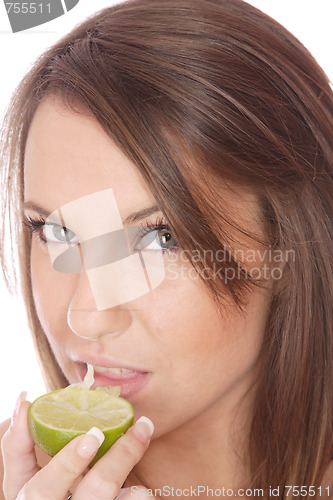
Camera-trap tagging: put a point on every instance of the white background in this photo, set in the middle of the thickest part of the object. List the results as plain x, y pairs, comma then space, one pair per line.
308, 20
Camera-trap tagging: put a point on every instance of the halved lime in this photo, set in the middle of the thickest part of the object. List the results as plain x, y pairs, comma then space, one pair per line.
58, 417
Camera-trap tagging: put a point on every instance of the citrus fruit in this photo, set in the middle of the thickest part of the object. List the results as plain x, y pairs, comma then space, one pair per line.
59, 416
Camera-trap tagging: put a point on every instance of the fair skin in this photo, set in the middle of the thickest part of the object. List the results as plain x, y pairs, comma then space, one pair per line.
201, 361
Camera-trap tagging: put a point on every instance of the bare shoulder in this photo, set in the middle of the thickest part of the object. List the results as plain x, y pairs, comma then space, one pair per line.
3, 428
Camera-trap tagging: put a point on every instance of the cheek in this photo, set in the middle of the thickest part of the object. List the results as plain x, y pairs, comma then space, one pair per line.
51, 290
183, 317
183, 322
206, 352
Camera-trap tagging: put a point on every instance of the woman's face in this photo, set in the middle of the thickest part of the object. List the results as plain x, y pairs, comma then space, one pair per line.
186, 360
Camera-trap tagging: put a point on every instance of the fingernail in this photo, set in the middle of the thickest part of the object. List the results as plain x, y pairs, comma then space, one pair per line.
143, 429
22, 397
90, 443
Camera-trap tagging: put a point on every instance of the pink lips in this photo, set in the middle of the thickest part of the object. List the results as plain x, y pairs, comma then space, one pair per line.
130, 383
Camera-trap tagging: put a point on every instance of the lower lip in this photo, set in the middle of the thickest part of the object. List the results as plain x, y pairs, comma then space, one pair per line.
130, 383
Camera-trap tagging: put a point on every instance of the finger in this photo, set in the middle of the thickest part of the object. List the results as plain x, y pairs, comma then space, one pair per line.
61, 472
107, 476
18, 451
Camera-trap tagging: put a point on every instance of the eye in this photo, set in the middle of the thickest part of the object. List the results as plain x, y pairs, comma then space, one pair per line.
158, 239
55, 233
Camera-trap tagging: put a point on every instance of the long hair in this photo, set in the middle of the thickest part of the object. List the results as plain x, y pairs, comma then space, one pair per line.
203, 95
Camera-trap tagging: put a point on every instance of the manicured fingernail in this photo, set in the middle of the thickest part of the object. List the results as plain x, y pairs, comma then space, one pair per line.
143, 429
22, 397
90, 443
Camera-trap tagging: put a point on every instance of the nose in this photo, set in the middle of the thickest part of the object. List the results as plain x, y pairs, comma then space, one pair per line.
86, 321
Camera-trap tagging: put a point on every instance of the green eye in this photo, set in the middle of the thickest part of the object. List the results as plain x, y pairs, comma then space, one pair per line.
157, 239
166, 238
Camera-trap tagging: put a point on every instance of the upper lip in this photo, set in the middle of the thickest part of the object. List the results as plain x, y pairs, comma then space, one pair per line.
108, 363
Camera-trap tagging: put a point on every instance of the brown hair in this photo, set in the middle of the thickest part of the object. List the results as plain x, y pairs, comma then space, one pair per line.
201, 94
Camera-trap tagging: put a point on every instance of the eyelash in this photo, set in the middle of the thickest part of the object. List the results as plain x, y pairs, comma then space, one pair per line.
35, 225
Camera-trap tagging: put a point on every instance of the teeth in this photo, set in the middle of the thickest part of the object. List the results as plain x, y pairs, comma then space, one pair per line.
101, 369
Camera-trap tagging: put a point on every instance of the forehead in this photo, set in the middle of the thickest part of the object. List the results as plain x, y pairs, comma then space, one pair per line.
68, 155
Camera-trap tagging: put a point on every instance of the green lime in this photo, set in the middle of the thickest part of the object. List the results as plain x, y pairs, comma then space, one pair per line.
58, 417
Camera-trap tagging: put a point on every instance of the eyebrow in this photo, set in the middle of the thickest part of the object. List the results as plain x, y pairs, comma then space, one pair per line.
131, 219
141, 214
29, 205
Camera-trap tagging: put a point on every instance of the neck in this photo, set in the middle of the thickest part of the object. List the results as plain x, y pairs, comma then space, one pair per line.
208, 451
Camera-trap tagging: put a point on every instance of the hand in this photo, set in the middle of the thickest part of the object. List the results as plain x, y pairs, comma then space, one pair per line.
25, 480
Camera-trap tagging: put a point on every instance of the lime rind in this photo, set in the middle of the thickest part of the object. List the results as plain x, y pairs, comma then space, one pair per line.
58, 417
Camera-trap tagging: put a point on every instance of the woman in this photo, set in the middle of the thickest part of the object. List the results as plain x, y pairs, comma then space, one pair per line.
204, 130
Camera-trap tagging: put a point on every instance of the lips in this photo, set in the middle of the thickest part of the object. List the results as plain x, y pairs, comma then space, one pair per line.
131, 380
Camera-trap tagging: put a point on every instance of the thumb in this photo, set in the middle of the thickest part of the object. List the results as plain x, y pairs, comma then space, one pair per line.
18, 451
